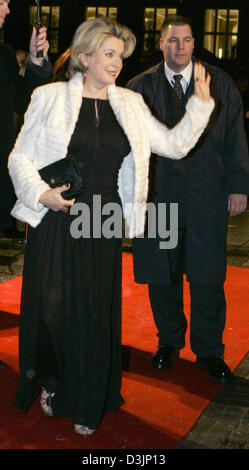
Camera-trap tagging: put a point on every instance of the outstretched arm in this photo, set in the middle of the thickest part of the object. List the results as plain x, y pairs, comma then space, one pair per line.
38, 71
38, 43
175, 143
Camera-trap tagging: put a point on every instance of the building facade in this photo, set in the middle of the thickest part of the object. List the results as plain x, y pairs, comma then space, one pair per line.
220, 26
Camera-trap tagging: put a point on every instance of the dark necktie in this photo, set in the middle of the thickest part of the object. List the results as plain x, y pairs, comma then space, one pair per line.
178, 87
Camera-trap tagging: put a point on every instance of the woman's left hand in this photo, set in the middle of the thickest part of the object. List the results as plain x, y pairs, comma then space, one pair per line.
202, 82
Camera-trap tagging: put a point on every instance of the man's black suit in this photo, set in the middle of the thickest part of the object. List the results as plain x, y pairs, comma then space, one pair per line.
200, 183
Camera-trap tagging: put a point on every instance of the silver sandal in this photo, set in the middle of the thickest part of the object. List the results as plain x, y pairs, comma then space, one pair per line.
83, 431
46, 402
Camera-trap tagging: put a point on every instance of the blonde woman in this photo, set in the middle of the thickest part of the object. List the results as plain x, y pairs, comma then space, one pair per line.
70, 332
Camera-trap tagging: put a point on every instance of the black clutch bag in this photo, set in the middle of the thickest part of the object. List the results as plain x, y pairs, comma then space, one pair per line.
64, 171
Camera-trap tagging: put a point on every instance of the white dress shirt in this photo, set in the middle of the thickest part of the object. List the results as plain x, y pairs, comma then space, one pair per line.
186, 75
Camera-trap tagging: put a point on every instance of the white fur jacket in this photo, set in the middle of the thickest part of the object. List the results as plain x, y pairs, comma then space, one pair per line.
49, 124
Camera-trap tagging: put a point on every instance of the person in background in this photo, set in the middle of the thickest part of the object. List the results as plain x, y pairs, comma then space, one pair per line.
242, 83
70, 323
15, 92
211, 183
62, 70
21, 57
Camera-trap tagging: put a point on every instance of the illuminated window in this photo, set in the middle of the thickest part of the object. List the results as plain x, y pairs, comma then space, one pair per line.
93, 12
221, 32
153, 21
50, 17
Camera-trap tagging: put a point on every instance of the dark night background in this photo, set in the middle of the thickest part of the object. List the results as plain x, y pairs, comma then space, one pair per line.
63, 16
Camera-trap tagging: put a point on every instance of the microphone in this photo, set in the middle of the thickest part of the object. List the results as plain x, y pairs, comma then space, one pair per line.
39, 54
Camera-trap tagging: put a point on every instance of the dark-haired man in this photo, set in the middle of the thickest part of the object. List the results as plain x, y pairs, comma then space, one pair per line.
15, 91
210, 183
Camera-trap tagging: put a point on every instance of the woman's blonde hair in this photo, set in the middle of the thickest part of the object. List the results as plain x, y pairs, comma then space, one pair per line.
90, 35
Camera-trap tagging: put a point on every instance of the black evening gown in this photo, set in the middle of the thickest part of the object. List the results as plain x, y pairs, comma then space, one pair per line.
70, 321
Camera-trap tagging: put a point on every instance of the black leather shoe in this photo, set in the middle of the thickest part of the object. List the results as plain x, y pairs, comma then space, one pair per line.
216, 368
121, 401
165, 357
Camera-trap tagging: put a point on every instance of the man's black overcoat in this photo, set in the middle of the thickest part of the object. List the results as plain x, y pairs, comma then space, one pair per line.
15, 92
217, 166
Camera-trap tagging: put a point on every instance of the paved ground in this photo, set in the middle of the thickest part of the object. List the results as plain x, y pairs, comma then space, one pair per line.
225, 422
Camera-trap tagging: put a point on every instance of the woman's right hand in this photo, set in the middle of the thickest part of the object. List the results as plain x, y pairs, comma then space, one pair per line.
202, 82
53, 200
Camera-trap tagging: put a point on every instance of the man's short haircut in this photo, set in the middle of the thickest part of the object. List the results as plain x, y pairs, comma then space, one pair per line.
175, 20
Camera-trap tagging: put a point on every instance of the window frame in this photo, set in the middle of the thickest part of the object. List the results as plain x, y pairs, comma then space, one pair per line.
97, 7
216, 34
50, 29
153, 33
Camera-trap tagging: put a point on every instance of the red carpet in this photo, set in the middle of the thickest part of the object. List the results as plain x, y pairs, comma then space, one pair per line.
161, 406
